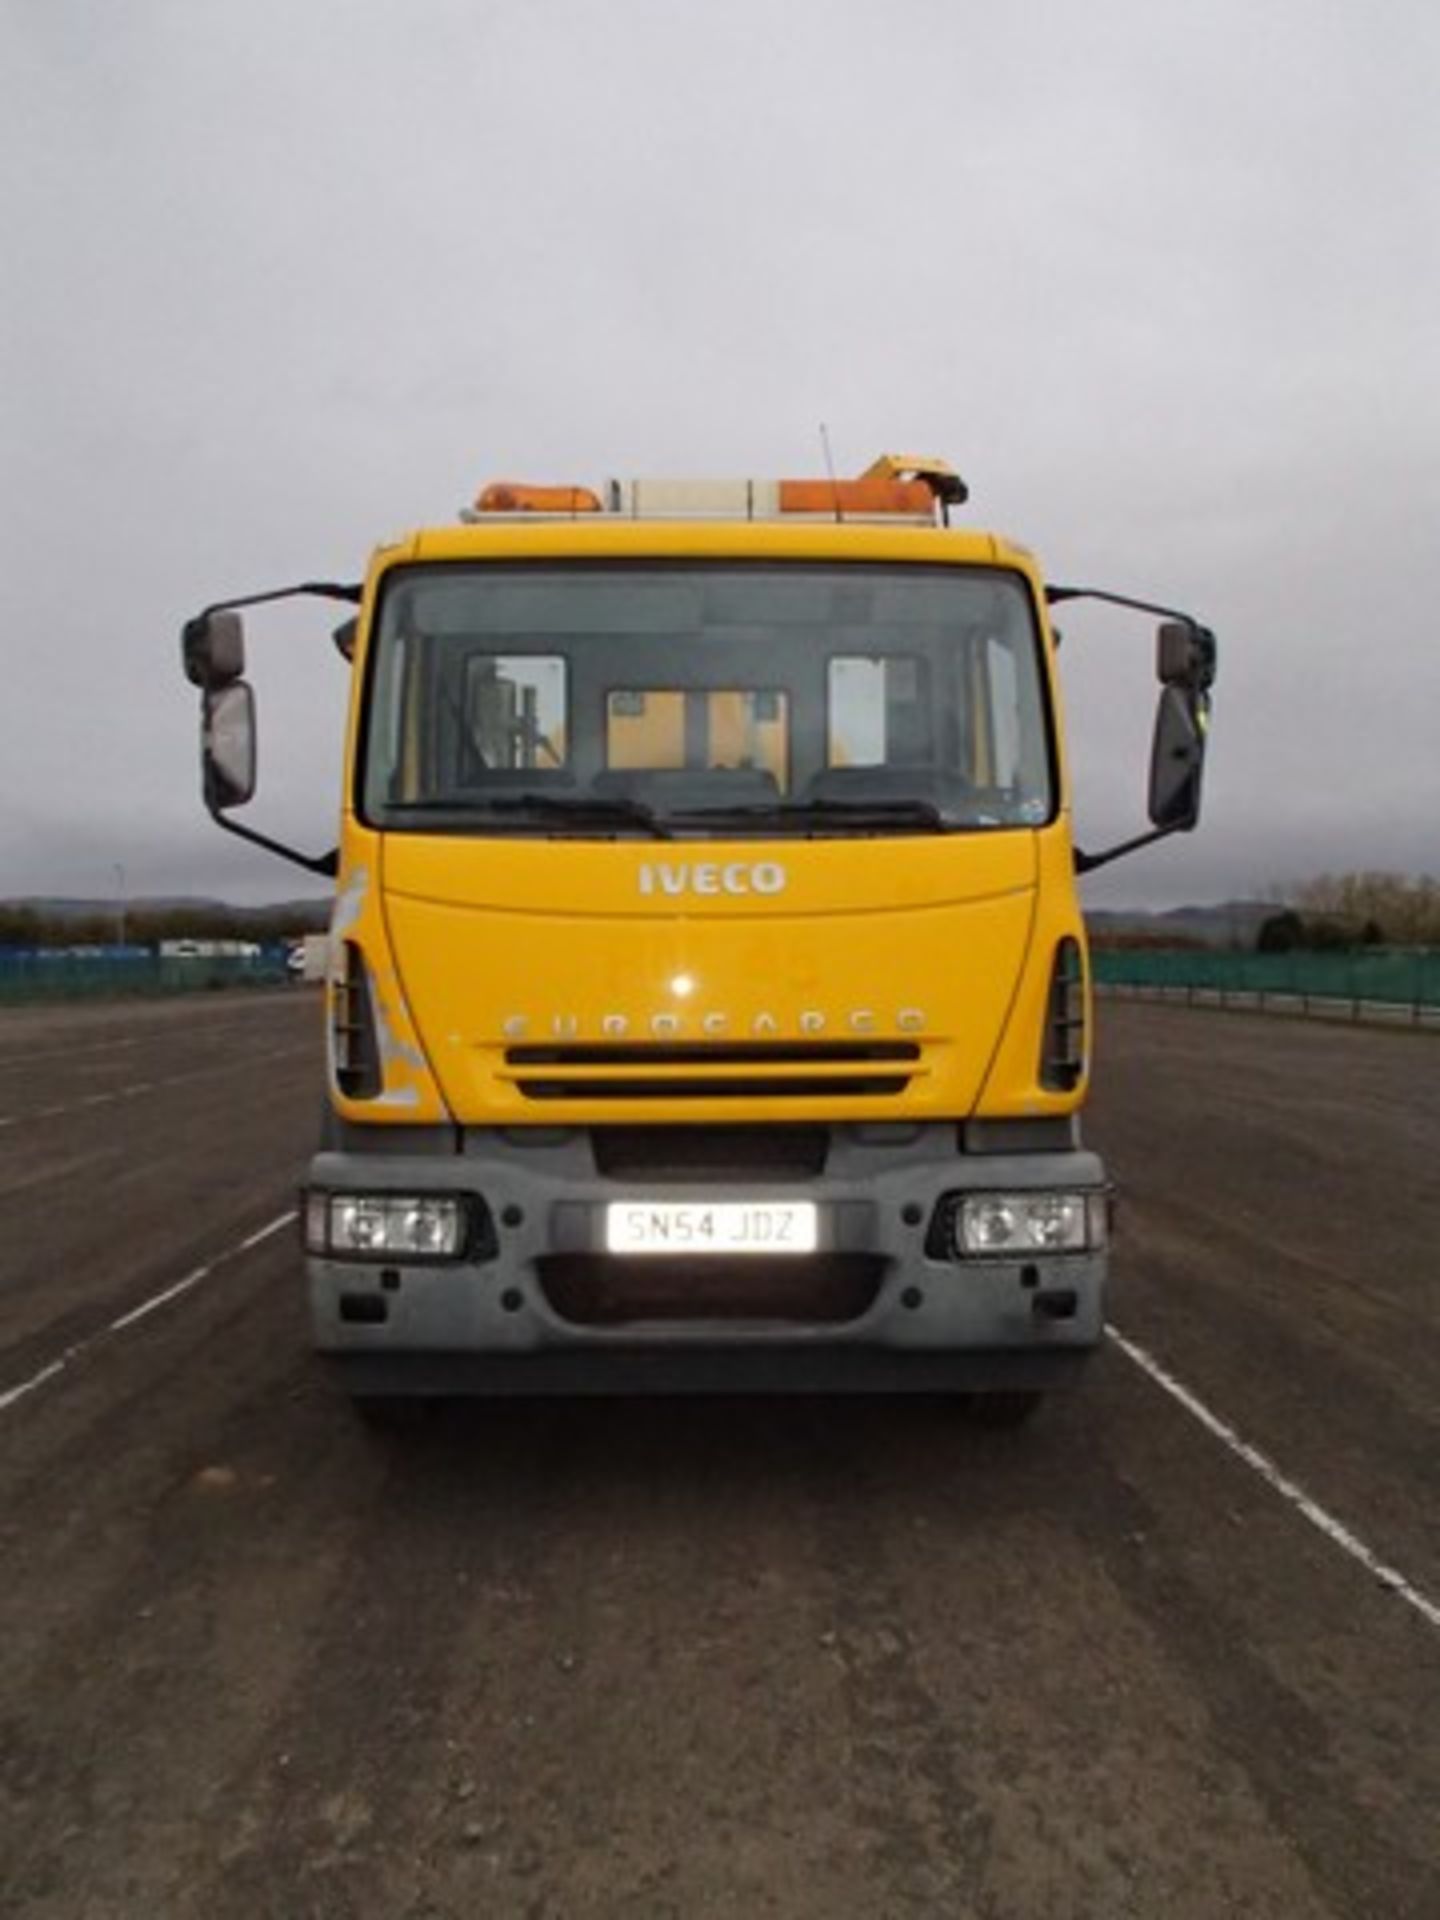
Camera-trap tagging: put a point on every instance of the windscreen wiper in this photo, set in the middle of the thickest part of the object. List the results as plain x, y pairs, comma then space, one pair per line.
579, 809
858, 812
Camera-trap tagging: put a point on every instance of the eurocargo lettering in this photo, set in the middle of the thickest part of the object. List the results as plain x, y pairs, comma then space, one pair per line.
707, 1000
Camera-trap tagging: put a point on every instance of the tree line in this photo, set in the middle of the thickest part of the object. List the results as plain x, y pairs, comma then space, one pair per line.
1344, 910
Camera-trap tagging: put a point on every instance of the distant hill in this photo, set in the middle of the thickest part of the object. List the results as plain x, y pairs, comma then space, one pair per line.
1231, 923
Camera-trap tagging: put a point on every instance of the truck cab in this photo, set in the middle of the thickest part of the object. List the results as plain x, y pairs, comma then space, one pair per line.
707, 1003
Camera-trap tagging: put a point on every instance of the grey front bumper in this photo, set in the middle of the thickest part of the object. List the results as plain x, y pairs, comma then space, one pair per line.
488, 1324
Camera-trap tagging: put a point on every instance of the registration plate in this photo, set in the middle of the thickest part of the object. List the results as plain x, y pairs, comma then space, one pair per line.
726, 1226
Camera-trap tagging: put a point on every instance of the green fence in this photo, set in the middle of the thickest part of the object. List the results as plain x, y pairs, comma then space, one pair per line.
79, 976
1369, 978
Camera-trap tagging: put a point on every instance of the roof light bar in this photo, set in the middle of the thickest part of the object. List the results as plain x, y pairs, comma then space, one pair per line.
910, 487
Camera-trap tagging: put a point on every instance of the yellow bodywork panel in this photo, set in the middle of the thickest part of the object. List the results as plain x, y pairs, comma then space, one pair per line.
514, 971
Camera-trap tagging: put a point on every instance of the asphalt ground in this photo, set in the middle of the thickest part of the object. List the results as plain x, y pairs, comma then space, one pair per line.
695, 1658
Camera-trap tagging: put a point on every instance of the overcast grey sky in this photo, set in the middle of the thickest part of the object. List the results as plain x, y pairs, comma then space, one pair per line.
285, 277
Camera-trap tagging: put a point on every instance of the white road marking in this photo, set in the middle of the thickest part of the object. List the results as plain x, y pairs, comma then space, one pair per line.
173, 1292
1287, 1488
11, 1396
264, 1233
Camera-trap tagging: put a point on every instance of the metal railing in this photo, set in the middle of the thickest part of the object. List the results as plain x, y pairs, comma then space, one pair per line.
104, 973
1390, 984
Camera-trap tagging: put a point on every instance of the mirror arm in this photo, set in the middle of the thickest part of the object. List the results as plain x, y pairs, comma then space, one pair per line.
1205, 676
320, 589
1198, 681
1055, 595
1088, 862
327, 864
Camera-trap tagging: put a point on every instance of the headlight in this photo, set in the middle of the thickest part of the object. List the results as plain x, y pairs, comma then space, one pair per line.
1006, 1225
387, 1226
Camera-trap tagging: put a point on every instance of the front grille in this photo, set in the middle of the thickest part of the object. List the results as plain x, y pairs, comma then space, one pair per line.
824, 1289
710, 1154
686, 1071
677, 1053
751, 1087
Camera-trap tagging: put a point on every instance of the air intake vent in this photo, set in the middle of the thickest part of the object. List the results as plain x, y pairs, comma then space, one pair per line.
804, 1053
833, 1069
352, 1030
1062, 1055
689, 1156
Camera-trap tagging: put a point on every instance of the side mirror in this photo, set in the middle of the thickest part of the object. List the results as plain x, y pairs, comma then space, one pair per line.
228, 745
213, 648
344, 637
1177, 759
1184, 655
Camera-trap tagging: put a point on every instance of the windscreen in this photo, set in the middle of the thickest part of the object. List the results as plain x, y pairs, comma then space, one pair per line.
614, 698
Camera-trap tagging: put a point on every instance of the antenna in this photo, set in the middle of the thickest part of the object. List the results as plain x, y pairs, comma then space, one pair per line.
830, 469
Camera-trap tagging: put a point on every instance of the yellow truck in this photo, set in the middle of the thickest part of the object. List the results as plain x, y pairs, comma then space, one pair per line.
707, 995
